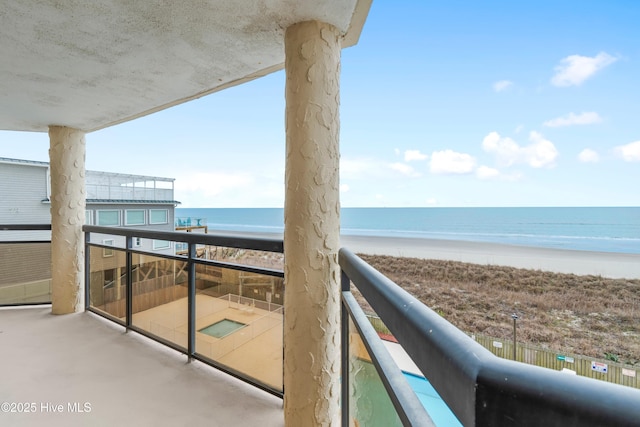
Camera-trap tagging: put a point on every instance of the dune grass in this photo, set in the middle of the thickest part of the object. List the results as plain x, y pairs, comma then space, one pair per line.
587, 315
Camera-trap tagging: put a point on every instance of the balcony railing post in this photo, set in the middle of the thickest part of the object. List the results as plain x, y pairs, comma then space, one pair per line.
129, 279
191, 301
87, 270
345, 285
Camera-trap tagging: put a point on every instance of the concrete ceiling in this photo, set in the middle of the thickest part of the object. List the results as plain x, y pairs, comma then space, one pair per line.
93, 64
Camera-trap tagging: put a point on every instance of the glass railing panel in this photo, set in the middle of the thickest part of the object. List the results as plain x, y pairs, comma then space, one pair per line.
25, 273
159, 304
249, 257
107, 281
239, 319
369, 403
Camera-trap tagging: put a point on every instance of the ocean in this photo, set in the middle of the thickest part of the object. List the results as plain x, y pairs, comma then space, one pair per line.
602, 229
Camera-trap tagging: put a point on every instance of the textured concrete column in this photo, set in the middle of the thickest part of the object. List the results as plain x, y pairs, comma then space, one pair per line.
68, 200
312, 226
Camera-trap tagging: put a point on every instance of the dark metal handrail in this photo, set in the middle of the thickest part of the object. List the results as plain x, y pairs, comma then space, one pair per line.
20, 227
480, 388
226, 240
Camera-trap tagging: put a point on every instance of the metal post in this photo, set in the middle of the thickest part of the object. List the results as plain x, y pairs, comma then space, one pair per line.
129, 278
344, 352
191, 301
514, 317
87, 271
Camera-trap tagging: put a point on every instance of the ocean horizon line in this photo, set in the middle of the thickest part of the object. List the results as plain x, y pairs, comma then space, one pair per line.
596, 229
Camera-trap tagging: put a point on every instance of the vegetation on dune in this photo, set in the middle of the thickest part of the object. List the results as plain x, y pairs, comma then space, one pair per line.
587, 315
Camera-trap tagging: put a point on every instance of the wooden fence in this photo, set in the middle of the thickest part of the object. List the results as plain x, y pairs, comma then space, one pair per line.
601, 369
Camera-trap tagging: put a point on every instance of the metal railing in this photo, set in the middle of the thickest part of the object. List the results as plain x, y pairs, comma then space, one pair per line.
22, 245
480, 388
192, 240
188, 221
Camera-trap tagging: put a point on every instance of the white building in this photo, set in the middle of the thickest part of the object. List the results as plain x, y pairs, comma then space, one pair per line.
112, 199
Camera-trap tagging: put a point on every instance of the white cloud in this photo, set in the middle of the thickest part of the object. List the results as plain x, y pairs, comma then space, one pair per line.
506, 149
588, 156
575, 69
488, 173
358, 168
629, 152
485, 172
344, 188
451, 162
574, 119
404, 169
397, 151
411, 155
502, 85
432, 201
540, 153
212, 183
194, 189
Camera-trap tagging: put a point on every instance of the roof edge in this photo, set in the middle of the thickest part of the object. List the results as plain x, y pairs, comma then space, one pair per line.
359, 17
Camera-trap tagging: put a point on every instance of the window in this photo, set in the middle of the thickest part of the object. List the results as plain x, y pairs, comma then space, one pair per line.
161, 244
107, 252
134, 217
88, 217
158, 216
108, 218
137, 242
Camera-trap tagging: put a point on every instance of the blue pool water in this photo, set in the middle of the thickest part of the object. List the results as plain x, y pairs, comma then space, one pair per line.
432, 402
222, 328
373, 407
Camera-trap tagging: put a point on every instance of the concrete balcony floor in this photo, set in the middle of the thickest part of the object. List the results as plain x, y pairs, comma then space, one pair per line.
126, 379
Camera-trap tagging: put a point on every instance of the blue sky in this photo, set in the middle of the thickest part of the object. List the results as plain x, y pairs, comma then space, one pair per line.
443, 103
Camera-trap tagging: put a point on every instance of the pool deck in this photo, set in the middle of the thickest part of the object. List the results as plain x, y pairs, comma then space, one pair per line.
401, 357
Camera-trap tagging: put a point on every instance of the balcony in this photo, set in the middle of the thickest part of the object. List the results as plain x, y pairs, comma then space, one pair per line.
124, 378
175, 299
102, 186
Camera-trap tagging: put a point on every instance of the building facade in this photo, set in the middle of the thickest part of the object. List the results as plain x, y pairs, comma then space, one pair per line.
112, 199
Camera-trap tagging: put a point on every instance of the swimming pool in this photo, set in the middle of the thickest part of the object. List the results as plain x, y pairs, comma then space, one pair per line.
432, 402
372, 406
222, 328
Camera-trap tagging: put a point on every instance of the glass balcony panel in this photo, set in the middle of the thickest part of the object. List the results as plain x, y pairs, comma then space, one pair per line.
369, 403
159, 303
25, 273
239, 319
250, 257
108, 281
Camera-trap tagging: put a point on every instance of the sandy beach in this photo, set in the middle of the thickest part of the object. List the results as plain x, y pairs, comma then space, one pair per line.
605, 264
